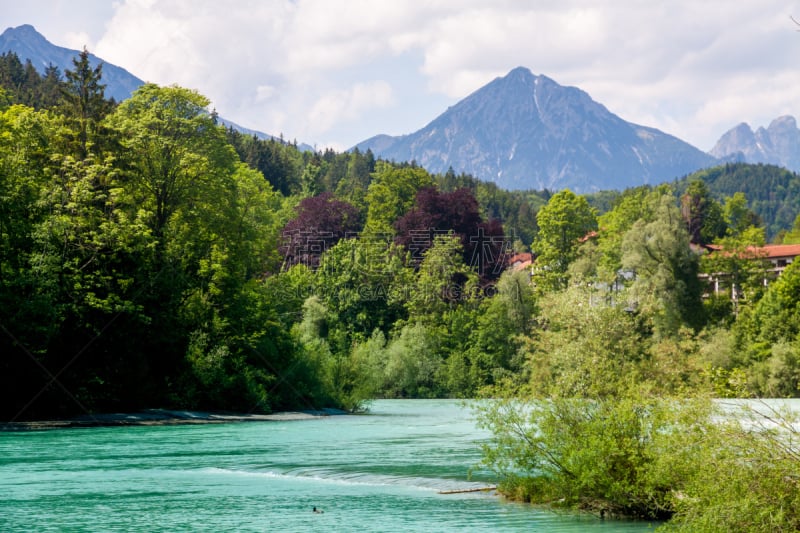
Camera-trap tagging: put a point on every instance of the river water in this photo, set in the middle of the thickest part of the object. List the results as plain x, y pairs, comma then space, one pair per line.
382, 471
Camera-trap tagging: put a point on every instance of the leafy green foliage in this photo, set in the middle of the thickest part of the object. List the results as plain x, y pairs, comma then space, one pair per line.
615, 456
773, 192
563, 222
356, 279
632, 206
444, 281
743, 475
666, 286
391, 194
498, 333
793, 236
410, 364
768, 337
702, 213
132, 265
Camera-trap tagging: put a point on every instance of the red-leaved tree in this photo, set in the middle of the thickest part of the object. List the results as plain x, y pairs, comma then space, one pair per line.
320, 223
436, 213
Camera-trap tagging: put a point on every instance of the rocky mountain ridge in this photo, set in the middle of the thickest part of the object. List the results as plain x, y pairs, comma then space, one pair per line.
525, 131
777, 144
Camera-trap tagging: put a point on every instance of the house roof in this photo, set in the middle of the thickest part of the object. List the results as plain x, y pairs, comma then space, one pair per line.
520, 261
781, 250
768, 251
520, 258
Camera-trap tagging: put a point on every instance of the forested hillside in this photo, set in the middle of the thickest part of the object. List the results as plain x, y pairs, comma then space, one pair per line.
773, 193
153, 258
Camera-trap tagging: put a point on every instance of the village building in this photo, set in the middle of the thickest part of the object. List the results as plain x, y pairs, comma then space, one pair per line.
776, 258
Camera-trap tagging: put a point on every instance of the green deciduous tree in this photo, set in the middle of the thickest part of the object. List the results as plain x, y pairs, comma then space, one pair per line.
391, 194
563, 222
497, 332
634, 205
769, 336
410, 365
737, 215
666, 287
174, 152
620, 455
212, 230
30, 313
743, 473
356, 279
443, 282
581, 349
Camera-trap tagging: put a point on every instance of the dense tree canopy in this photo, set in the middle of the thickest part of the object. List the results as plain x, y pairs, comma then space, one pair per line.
434, 213
391, 194
701, 213
151, 257
773, 192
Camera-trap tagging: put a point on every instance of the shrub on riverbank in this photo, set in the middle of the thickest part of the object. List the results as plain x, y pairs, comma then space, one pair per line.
617, 456
690, 462
746, 477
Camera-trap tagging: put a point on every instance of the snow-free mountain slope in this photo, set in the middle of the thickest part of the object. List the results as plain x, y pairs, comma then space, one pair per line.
524, 131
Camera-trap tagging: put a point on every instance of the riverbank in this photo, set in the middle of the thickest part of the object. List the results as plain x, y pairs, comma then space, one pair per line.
164, 417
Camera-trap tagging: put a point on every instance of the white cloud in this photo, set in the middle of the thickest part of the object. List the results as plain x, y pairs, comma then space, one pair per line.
265, 92
348, 104
78, 40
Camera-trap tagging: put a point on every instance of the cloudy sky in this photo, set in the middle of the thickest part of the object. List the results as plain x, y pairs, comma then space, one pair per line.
335, 72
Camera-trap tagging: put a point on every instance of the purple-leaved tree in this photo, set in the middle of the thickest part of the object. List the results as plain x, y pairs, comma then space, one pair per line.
320, 223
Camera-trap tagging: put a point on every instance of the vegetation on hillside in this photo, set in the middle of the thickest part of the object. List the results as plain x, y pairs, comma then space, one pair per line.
150, 257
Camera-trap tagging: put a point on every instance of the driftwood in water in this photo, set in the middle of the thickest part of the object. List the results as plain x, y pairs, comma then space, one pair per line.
461, 491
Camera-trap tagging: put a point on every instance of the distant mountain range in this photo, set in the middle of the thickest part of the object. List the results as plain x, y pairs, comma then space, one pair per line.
524, 131
778, 144
528, 132
521, 131
28, 43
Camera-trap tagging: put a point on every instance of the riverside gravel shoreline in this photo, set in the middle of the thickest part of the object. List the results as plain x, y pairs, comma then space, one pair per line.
156, 417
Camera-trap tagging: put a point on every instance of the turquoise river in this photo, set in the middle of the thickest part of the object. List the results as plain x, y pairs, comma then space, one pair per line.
382, 471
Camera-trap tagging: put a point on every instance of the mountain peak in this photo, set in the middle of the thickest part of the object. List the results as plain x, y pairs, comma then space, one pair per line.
25, 30
520, 74
784, 122
777, 144
25, 36
523, 76
525, 131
